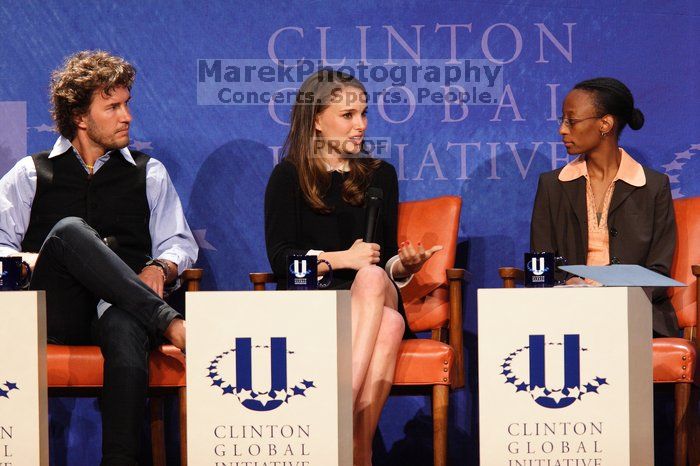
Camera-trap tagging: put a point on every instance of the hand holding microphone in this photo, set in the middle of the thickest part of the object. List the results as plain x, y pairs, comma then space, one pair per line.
362, 254
365, 251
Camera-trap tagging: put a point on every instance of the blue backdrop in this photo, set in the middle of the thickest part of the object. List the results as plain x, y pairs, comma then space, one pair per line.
220, 156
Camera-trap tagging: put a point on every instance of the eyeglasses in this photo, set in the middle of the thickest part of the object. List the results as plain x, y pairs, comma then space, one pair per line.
570, 122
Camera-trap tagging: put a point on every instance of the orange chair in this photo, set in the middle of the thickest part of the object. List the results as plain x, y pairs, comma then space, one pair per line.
674, 359
433, 301
77, 371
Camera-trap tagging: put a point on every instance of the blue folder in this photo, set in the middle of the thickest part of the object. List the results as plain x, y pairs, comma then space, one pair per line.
621, 275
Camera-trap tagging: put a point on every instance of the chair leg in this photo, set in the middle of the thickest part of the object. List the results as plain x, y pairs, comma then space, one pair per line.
441, 400
182, 398
680, 447
157, 431
691, 420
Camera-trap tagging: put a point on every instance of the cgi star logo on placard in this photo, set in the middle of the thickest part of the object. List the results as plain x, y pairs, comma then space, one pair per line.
7, 388
528, 375
249, 392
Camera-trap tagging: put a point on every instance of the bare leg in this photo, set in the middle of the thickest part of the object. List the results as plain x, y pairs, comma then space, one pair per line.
377, 333
377, 385
369, 294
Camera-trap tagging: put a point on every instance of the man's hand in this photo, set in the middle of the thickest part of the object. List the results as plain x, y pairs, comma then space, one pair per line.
29, 258
176, 333
154, 278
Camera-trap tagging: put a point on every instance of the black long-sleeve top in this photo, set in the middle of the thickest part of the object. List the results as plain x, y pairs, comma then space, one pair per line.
292, 227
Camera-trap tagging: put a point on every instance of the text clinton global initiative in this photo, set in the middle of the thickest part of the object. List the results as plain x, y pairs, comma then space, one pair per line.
262, 445
555, 443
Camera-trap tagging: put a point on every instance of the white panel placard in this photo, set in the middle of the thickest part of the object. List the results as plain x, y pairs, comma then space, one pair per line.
269, 378
23, 396
565, 377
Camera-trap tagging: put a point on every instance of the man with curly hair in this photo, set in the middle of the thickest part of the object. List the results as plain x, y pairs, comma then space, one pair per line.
105, 233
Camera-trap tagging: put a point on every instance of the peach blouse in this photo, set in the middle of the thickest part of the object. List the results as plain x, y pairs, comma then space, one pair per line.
631, 172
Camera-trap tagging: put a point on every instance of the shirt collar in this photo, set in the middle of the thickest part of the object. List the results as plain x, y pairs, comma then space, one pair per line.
343, 168
62, 145
630, 171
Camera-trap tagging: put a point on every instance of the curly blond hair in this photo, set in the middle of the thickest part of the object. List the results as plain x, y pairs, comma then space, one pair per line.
73, 85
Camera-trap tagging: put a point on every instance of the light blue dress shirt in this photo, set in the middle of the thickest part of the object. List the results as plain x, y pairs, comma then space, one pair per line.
171, 237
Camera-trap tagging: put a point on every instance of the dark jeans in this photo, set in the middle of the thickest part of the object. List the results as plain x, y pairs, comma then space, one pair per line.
77, 270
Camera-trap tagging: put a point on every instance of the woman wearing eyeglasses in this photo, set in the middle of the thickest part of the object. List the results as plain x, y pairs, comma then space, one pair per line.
604, 207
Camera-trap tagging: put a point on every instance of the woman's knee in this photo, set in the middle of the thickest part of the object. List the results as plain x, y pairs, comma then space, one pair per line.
370, 280
393, 325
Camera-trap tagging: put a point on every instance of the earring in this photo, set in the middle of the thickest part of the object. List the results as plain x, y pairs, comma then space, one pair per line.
602, 134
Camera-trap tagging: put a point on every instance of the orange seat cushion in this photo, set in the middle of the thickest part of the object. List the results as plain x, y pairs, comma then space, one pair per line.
674, 360
81, 366
424, 362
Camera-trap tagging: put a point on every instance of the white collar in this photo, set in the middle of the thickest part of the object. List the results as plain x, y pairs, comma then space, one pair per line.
62, 145
343, 168
630, 171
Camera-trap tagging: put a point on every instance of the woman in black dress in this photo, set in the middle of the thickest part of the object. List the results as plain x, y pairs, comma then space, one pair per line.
314, 205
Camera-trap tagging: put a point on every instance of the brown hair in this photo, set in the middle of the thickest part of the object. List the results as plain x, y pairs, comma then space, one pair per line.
73, 85
314, 97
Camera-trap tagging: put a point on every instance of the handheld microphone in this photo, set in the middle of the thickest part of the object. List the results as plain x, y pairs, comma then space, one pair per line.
111, 242
373, 202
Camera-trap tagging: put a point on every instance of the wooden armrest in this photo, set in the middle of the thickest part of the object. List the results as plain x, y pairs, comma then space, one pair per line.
511, 276
259, 279
459, 274
192, 279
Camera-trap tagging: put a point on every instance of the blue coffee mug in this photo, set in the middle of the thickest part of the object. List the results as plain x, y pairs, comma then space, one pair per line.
540, 268
11, 274
302, 273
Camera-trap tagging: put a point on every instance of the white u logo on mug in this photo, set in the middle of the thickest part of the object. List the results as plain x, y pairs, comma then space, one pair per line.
300, 273
534, 267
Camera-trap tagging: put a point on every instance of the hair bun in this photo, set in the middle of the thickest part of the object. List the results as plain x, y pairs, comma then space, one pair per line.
636, 119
